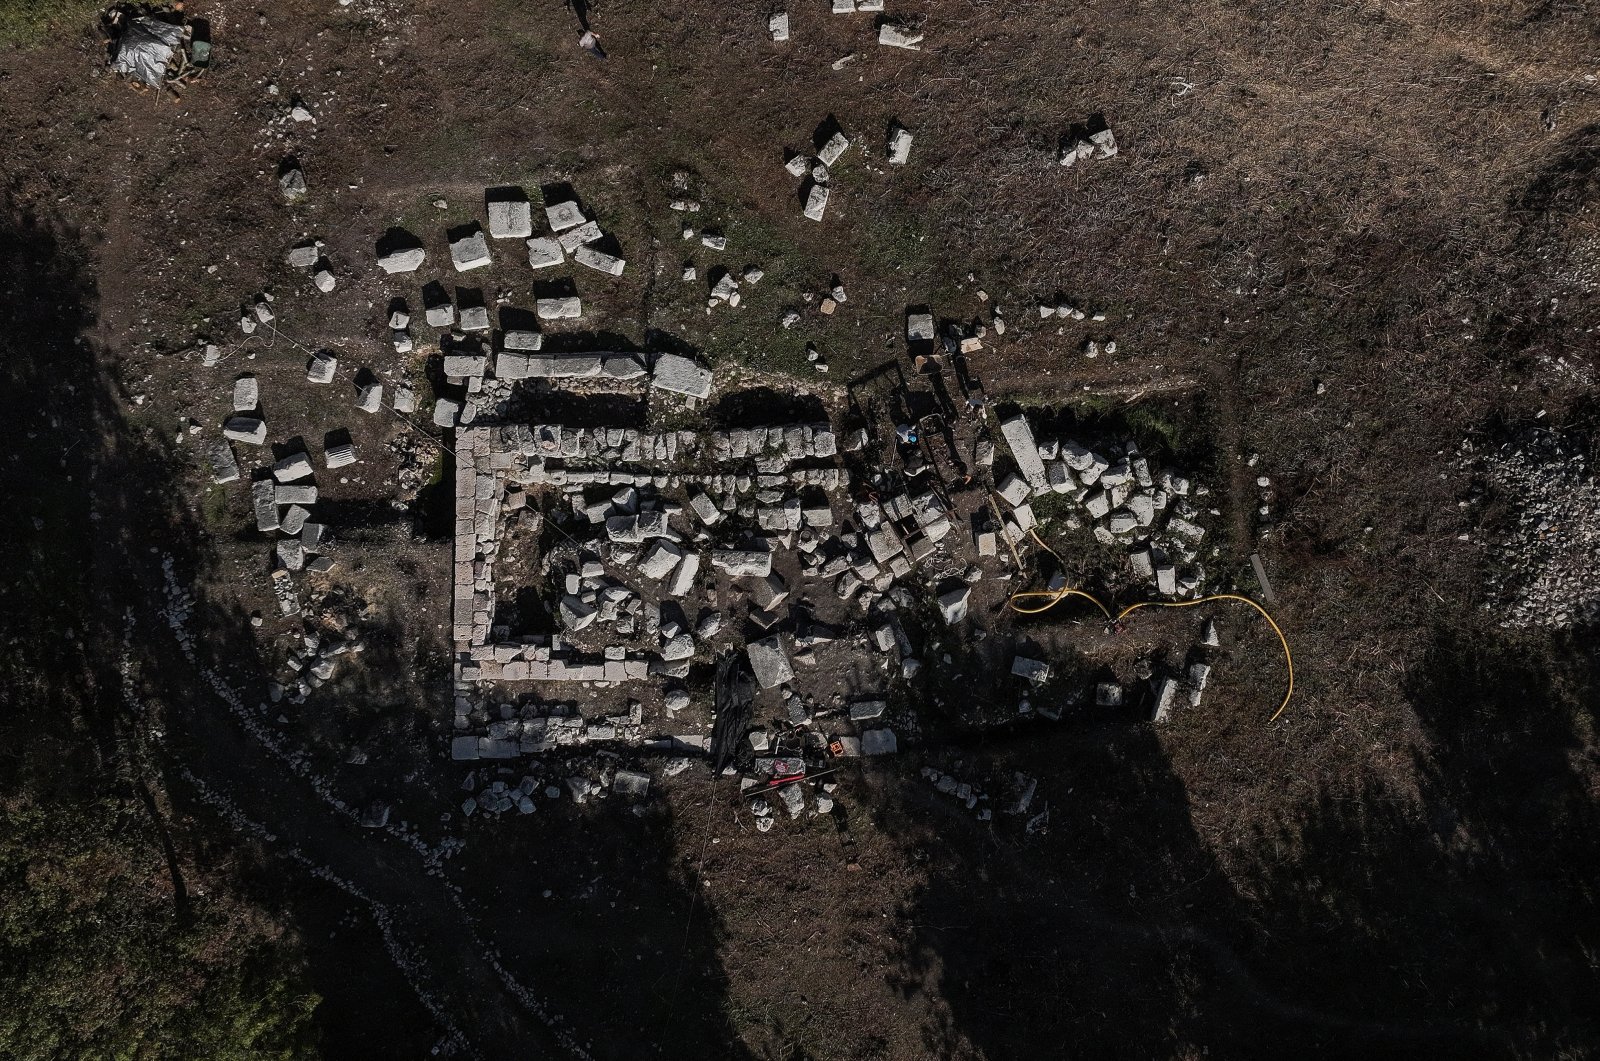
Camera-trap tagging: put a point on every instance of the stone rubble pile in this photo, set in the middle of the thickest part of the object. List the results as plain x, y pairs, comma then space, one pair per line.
1549, 557
1114, 490
311, 664
815, 174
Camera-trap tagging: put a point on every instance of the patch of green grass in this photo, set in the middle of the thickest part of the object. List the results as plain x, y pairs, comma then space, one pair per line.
749, 334
900, 243
1155, 430
35, 23
214, 508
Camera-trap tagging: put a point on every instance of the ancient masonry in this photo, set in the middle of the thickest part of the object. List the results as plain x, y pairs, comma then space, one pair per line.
662, 548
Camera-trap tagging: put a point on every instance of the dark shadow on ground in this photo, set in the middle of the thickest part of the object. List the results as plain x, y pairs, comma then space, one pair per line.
1374, 924
97, 501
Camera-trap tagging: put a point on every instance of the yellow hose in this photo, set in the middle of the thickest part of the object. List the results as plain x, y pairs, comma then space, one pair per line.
1052, 597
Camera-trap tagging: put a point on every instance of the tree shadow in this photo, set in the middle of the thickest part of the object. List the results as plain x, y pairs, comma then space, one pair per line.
1458, 919
1471, 899
108, 529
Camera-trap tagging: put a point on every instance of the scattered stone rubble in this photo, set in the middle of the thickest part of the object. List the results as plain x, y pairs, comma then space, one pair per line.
1078, 146
1113, 490
815, 175
1549, 555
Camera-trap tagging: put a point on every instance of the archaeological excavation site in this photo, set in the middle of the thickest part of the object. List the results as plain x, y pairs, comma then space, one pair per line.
865, 530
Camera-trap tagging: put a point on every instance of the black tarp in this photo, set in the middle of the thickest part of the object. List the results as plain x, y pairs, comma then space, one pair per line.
734, 699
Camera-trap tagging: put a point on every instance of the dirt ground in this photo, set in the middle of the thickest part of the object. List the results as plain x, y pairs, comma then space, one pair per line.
1336, 241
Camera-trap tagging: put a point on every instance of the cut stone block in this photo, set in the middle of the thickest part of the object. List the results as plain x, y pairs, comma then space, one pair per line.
511, 219
465, 366
291, 554
769, 662
245, 429
1019, 436
563, 216
544, 251
370, 398
1034, 670
738, 562
1015, 490
892, 36
836, 146
659, 562
563, 308
953, 604
293, 467
778, 26
599, 260
879, 742
919, 327
573, 238
470, 251
224, 469
867, 710
264, 500
769, 592
683, 576
295, 494
817, 202
705, 508
682, 375
445, 412
294, 520
246, 394
339, 456
1166, 699
1166, 579
321, 369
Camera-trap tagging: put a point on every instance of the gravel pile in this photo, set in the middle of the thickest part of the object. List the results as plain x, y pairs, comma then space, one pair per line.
1550, 557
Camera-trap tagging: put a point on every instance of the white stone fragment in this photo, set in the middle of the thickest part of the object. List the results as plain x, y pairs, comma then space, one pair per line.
836, 146
816, 202
404, 260
892, 36
899, 145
